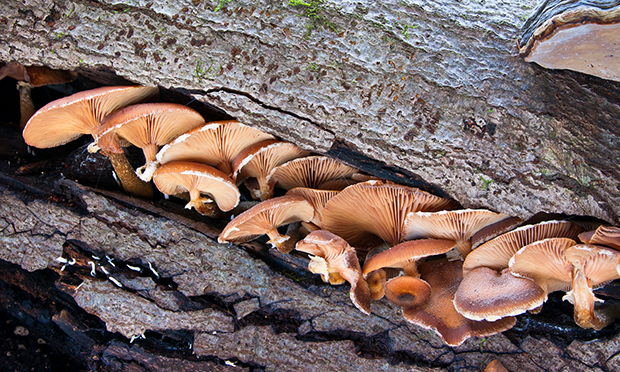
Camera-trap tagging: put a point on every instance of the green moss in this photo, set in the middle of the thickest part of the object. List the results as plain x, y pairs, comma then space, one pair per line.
485, 182
315, 12
221, 4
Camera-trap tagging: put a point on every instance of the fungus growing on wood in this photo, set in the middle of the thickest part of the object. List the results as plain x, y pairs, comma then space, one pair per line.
216, 143
29, 77
496, 253
258, 160
68, 118
331, 254
265, 218
198, 179
574, 35
485, 294
458, 225
371, 209
439, 313
318, 199
147, 126
310, 172
603, 235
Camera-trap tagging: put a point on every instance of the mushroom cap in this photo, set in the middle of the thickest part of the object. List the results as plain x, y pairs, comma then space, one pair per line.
599, 264
146, 124
376, 282
310, 172
495, 366
494, 230
340, 257
405, 252
374, 208
178, 177
67, 118
545, 262
585, 38
215, 143
318, 199
603, 235
485, 294
496, 253
458, 225
266, 216
439, 313
406, 291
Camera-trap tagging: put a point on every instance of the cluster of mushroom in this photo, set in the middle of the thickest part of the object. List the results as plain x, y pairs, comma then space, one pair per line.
383, 238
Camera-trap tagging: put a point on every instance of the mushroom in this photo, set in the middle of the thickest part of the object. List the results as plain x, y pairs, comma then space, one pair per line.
495, 366
68, 118
494, 230
603, 235
575, 35
147, 126
265, 218
32, 77
407, 291
310, 172
178, 177
593, 266
362, 212
318, 199
258, 160
216, 143
458, 225
485, 294
439, 313
332, 254
496, 253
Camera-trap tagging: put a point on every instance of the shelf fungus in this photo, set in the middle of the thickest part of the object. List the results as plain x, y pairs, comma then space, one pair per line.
147, 126
68, 118
578, 35
265, 218
336, 261
198, 179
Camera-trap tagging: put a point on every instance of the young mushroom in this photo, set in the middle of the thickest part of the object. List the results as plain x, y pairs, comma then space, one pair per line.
147, 126
197, 179
68, 118
407, 291
216, 143
331, 254
265, 218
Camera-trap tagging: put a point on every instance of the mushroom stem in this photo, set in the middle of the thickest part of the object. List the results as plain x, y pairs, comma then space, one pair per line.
126, 175
584, 299
411, 268
204, 206
265, 192
25, 102
278, 240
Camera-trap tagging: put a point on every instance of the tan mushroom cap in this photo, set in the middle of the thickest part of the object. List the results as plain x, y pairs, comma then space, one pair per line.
318, 199
376, 282
439, 313
494, 230
265, 218
65, 119
603, 235
545, 262
215, 143
178, 177
310, 172
258, 161
371, 209
337, 256
496, 253
406, 254
485, 294
147, 126
406, 291
495, 366
458, 225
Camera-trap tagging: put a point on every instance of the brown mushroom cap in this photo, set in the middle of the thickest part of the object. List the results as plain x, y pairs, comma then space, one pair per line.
603, 235
339, 257
65, 119
371, 209
178, 177
310, 172
406, 291
486, 295
439, 313
147, 126
545, 262
458, 225
318, 199
494, 230
495, 366
258, 161
216, 143
376, 282
496, 253
265, 218
405, 255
